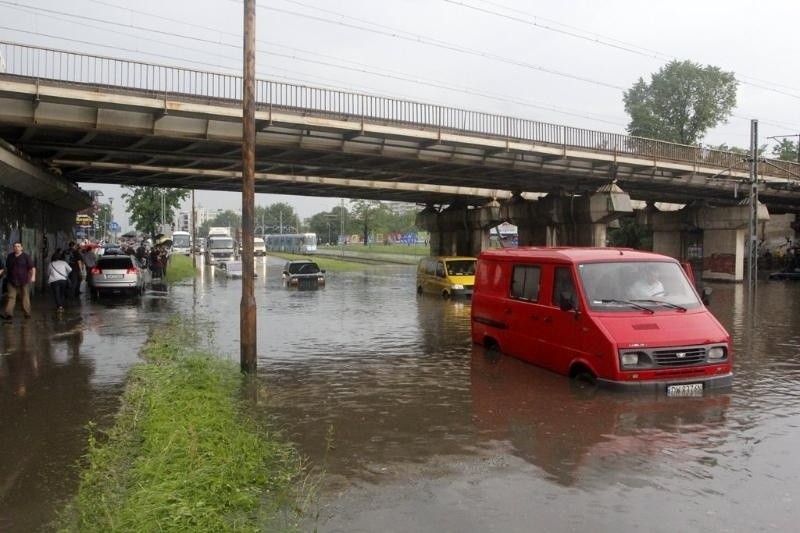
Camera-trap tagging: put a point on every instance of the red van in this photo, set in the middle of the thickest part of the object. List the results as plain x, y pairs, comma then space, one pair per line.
618, 317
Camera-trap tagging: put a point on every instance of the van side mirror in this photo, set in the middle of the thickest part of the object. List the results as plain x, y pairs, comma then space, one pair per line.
705, 295
566, 302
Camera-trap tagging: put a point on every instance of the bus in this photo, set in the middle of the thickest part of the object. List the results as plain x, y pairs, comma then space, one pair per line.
181, 243
295, 243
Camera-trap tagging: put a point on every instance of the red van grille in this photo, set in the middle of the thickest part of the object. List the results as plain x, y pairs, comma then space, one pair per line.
679, 356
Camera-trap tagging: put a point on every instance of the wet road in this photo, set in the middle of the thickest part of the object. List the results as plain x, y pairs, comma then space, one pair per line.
415, 429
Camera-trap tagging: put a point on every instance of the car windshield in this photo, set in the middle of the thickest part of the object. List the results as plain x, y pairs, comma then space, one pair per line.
630, 285
180, 241
303, 268
461, 267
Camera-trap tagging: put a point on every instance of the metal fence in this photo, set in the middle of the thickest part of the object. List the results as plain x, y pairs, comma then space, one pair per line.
70, 67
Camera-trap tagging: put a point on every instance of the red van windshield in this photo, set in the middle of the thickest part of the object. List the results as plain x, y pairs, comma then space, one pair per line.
620, 286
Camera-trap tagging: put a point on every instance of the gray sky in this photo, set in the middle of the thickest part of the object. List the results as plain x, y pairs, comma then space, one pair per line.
562, 62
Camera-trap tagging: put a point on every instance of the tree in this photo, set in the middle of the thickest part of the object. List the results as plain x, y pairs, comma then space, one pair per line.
279, 217
148, 206
786, 150
682, 101
629, 234
227, 219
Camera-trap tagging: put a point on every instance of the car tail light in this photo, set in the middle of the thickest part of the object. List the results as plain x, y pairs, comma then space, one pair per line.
132, 270
95, 270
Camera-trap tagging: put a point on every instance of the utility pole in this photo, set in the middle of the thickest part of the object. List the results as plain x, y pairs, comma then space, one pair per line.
247, 308
790, 135
110, 212
752, 249
194, 236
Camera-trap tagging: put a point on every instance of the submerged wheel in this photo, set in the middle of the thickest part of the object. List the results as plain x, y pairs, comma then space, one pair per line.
446, 295
419, 290
491, 350
583, 381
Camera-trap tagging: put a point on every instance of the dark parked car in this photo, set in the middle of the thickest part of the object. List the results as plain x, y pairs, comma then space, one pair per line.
115, 274
303, 274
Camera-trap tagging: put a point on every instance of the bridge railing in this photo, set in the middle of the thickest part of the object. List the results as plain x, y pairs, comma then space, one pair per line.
85, 69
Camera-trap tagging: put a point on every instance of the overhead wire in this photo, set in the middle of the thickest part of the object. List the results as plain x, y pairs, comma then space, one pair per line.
599, 39
364, 68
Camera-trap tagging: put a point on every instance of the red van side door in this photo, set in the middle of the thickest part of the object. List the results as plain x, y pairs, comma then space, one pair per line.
523, 312
563, 337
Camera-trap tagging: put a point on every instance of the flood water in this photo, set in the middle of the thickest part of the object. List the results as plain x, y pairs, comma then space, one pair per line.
414, 428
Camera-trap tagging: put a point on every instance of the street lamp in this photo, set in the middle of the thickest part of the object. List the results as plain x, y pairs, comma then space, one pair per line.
111, 212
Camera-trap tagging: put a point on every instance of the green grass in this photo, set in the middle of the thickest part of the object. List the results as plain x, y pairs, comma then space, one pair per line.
418, 250
182, 456
326, 264
180, 268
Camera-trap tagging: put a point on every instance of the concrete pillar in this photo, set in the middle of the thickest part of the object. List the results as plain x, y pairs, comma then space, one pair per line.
724, 235
560, 219
459, 230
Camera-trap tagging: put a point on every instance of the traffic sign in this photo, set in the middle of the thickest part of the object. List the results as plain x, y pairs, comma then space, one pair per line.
114, 226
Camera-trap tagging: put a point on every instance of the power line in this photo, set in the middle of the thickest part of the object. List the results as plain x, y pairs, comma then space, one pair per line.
364, 67
607, 41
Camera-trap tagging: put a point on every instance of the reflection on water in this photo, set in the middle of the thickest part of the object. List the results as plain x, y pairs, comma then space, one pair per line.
384, 391
560, 428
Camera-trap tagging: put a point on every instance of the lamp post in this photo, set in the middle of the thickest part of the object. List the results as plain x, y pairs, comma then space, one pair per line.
110, 212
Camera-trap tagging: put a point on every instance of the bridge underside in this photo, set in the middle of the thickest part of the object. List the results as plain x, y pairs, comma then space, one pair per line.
137, 138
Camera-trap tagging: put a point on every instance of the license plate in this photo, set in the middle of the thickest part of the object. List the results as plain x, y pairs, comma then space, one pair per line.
114, 276
686, 389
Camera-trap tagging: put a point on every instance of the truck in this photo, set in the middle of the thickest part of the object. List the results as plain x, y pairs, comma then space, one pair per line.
220, 247
222, 231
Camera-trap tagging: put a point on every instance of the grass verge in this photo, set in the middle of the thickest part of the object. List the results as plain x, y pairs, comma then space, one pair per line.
180, 268
182, 455
326, 264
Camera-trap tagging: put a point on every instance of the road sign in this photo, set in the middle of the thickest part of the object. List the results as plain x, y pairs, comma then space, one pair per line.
114, 226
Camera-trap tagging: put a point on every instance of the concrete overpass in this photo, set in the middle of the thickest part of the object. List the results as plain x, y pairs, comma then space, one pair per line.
105, 120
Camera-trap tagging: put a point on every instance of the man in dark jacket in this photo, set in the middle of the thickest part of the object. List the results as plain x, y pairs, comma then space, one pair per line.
75, 260
20, 271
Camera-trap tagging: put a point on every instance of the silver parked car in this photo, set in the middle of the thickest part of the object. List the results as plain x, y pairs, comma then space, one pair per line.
116, 274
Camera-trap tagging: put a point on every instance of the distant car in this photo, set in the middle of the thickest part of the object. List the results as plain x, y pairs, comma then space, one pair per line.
303, 274
232, 269
111, 249
118, 274
259, 248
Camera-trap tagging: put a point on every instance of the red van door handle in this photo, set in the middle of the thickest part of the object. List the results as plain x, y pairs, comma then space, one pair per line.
507, 310
547, 319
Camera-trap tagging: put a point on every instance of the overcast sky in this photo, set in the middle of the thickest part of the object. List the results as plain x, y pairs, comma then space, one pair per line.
564, 62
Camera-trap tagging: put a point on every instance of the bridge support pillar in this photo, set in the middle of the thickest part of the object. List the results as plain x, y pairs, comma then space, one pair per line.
560, 219
714, 239
459, 230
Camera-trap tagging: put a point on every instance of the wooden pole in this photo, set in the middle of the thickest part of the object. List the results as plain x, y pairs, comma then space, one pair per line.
247, 309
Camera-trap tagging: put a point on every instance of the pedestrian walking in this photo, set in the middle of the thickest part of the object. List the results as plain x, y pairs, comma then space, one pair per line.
20, 271
75, 260
58, 278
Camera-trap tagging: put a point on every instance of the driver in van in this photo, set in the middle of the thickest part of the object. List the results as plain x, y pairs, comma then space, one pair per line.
648, 285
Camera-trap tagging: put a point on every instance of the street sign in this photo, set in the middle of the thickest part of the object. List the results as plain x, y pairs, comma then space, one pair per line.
114, 226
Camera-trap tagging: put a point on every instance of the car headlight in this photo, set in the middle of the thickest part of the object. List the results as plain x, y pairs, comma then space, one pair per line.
458, 287
629, 359
717, 352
